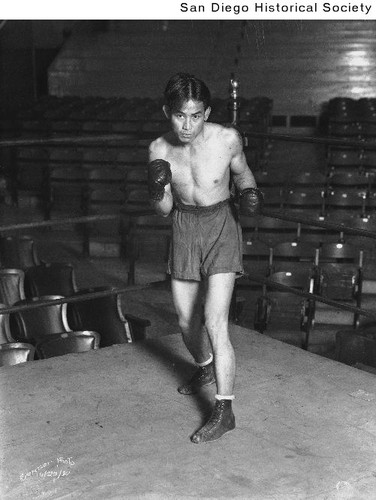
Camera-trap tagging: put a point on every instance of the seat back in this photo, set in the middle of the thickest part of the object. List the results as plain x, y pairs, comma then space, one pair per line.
256, 257
304, 199
137, 178
309, 181
105, 176
30, 324
137, 199
11, 286
66, 343
143, 230
50, 279
102, 315
351, 201
339, 253
18, 252
294, 279
294, 256
340, 266
14, 353
5, 336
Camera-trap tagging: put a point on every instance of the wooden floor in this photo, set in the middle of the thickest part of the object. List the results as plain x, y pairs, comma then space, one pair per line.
110, 425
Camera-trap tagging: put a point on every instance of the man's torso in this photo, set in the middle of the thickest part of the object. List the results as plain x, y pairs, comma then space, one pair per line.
201, 171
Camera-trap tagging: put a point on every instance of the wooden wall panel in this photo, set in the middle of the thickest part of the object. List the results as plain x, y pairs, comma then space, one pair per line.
299, 64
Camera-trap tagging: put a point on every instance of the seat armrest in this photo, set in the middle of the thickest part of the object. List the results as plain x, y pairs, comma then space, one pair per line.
137, 326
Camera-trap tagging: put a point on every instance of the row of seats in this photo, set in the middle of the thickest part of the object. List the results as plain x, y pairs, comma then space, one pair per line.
331, 270
34, 281
145, 232
351, 159
350, 110
57, 280
138, 121
352, 119
53, 116
13, 353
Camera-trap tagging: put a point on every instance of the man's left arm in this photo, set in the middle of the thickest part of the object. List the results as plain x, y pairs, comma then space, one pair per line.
250, 197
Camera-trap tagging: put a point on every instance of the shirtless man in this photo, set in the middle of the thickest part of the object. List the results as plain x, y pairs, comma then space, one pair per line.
189, 177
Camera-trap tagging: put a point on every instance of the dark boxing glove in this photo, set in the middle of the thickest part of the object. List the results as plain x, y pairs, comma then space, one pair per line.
159, 175
251, 201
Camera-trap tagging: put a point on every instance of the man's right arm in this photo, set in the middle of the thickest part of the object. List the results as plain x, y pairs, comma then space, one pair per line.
159, 181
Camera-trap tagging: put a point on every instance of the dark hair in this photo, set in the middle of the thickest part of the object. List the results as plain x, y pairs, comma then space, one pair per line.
182, 87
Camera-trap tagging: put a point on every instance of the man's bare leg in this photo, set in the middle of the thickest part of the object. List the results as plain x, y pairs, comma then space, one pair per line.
187, 295
217, 304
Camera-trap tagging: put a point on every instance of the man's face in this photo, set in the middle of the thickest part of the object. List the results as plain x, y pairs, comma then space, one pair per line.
187, 122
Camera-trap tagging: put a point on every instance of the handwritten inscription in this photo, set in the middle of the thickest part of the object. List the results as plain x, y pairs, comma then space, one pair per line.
48, 469
38, 480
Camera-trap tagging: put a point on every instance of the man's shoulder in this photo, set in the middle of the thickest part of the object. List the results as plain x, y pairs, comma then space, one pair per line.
226, 134
159, 144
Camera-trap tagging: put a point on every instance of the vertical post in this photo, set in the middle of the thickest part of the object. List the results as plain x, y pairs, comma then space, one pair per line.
234, 107
234, 103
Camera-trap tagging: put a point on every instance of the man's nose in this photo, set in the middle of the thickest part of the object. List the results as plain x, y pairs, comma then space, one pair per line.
187, 124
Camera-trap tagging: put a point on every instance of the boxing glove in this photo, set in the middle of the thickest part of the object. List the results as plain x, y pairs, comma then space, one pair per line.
159, 175
251, 201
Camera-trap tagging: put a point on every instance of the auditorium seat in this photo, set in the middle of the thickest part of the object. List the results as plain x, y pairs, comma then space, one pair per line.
12, 286
368, 162
309, 181
352, 181
58, 344
366, 224
257, 256
105, 176
108, 200
29, 325
356, 347
274, 197
345, 130
147, 232
65, 128
293, 255
344, 159
267, 229
54, 278
341, 275
311, 202
368, 129
14, 353
136, 178
137, 200
350, 202
96, 127
5, 335
265, 178
28, 175
104, 315
65, 192
18, 252
276, 303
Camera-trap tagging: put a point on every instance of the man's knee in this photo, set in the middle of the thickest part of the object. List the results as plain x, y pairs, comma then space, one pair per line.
216, 325
187, 323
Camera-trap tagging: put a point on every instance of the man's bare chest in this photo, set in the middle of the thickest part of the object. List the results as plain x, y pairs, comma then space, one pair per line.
200, 164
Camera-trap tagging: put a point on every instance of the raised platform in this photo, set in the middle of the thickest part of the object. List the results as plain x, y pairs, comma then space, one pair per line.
110, 424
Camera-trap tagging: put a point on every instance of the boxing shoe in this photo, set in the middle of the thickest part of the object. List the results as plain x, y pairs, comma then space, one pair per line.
222, 420
204, 375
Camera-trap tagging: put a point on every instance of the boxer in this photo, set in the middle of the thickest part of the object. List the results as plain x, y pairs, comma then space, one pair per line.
189, 177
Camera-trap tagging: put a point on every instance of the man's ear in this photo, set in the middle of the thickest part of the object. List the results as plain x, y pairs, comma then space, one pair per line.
207, 113
166, 111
